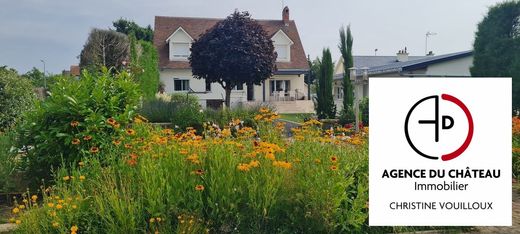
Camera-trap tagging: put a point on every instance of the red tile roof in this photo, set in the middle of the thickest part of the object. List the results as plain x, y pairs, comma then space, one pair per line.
165, 26
74, 70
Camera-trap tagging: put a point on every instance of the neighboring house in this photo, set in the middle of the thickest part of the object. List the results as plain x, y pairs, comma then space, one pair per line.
173, 37
402, 65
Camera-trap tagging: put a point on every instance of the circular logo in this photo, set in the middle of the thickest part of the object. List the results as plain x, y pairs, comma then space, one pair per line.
444, 122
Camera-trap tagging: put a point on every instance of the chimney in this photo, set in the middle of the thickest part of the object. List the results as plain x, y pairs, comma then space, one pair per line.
285, 15
402, 55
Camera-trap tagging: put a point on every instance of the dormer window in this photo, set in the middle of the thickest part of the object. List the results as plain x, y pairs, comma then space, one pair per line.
283, 52
282, 45
179, 44
180, 50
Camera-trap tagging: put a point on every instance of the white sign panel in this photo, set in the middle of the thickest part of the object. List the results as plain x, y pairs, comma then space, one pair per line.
440, 152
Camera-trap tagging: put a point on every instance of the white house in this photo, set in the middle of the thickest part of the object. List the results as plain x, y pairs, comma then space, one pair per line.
402, 65
286, 89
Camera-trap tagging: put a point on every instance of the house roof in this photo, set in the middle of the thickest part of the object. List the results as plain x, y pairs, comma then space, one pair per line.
166, 26
389, 64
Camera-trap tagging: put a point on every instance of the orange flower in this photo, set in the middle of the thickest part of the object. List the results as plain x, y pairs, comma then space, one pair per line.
74, 123
87, 138
94, 150
116, 142
133, 156
75, 141
333, 159
199, 187
167, 131
111, 121
128, 146
198, 172
131, 162
130, 132
333, 167
117, 125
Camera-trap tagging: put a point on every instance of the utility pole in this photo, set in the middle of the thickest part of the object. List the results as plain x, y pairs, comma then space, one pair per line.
44, 76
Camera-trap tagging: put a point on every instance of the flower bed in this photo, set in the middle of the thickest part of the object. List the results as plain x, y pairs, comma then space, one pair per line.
235, 179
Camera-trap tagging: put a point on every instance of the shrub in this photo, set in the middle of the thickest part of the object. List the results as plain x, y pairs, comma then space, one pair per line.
79, 118
222, 183
8, 165
516, 147
158, 110
188, 112
16, 96
225, 116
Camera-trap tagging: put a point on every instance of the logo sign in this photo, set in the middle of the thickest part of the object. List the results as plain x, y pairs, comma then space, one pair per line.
447, 123
440, 152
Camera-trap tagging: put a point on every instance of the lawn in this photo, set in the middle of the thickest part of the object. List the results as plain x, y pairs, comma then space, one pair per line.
298, 118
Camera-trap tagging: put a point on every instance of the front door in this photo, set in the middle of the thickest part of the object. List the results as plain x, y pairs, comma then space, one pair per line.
250, 92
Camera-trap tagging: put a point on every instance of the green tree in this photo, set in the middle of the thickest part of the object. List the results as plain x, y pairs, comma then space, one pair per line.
325, 107
144, 66
497, 46
130, 27
345, 47
16, 96
104, 48
235, 51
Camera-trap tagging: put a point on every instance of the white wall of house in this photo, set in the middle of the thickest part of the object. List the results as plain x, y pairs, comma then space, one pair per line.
456, 67
170, 76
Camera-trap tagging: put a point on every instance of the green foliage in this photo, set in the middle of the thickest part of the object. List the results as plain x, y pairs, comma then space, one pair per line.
8, 165
158, 110
497, 46
311, 76
235, 51
188, 112
198, 185
224, 116
325, 107
345, 47
144, 65
77, 111
16, 96
104, 48
130, 27
363, 109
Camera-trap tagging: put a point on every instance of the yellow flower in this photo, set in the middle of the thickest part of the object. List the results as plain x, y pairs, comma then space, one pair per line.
158, 219
152, 220
21, 207
12, 220
55, 224
34, 197
59, 206
18, 221
81, 164
282, 164
76, 141
50, 204
74, 228
226, 132
333, 167
66, 178
243, 167
254, 163
81, 177
74, 206
130, 132
333, 159
25, 201
16, 210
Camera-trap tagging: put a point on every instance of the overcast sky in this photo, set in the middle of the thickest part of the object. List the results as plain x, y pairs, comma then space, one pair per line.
55, 30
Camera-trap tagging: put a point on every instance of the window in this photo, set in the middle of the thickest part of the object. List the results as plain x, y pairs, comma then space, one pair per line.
208, 86
282, 51
181, 85
280, 85
180, 51
239, 87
